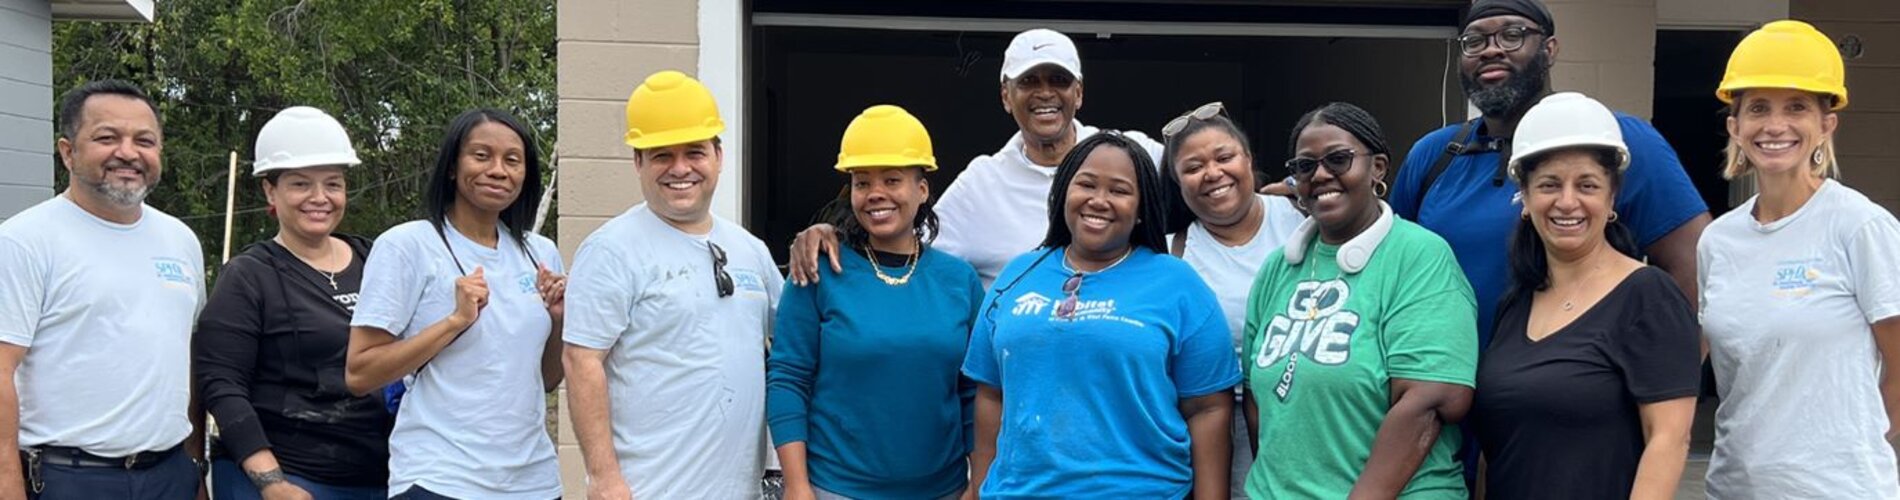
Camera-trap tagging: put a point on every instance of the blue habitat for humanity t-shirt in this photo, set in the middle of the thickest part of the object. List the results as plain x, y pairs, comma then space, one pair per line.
1090, 402
1477, 217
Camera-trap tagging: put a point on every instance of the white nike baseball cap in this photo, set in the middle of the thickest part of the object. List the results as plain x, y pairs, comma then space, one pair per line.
1038, 47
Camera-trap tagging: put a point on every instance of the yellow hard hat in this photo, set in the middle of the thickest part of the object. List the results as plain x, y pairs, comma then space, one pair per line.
885, 136
1786, 54
669, 109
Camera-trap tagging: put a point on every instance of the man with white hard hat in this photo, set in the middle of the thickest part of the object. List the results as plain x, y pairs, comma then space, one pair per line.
998, 207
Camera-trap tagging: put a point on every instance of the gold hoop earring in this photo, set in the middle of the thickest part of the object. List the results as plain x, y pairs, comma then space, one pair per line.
1380, 188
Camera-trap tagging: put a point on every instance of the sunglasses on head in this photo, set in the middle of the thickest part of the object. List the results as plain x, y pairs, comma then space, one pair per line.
1337, 162
1206, 111
720, 278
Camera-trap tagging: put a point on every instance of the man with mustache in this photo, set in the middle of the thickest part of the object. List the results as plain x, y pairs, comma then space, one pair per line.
1453, 180
97, 305
998, 206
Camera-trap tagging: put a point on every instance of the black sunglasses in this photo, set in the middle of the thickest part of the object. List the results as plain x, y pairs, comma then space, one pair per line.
720, 278
1338, 162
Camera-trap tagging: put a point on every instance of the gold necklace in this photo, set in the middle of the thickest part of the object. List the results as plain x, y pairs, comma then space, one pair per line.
888, 280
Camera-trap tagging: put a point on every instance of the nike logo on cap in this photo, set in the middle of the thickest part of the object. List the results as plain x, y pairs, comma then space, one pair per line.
1039, 47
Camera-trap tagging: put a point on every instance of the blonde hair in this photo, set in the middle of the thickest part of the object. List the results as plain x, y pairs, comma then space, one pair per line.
1735, 162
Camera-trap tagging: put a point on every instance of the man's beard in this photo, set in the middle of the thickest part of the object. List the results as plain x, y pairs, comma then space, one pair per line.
118, 193
1516, 93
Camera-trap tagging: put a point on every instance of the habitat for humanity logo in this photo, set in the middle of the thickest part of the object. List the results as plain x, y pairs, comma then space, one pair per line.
1796, 278
171, 273
1031, 304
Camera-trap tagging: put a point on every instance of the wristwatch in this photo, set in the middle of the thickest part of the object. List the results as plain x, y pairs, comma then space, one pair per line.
203, 466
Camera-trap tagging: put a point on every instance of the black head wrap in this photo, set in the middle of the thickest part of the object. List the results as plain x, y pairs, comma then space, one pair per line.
1529, 9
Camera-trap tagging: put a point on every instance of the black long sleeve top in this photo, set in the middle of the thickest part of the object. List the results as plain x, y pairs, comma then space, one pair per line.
268, 361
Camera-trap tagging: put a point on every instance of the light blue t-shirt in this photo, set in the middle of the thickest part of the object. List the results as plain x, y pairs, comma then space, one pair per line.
1090, 403
105, 311
474, 422
685, 366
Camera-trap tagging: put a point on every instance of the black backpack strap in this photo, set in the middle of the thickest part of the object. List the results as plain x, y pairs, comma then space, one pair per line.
1456, 147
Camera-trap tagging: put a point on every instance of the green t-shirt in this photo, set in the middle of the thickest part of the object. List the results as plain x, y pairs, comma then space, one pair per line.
1322, 348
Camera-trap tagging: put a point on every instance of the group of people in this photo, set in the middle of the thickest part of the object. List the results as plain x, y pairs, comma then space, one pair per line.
1520, 312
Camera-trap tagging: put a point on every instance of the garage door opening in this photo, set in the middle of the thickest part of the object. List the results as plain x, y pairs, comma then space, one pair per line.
809, 81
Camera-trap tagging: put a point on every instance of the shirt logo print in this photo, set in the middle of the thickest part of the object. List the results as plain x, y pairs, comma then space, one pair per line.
1315, 325
1796, 278
1031, 303
171, 272
527, 284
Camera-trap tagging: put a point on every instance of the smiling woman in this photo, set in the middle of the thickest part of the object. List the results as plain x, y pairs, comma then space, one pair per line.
468, 306
1101, 297
293, 293
1221, 228
1359, 352
862, 392
1587, 388
1810, 262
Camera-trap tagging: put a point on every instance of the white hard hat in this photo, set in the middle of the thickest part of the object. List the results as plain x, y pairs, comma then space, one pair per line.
1037, 47
299, 137
1567, 120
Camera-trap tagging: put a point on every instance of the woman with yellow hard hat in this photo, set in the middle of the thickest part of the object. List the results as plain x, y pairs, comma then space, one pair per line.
862, 389
1800, 289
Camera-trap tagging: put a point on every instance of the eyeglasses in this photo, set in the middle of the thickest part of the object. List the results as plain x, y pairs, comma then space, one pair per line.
1073, 286
1508, 39
720, 278
1337, 162
1204, 112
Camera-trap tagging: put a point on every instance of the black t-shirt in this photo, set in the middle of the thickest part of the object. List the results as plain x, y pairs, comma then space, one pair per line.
270, 351
1557, 418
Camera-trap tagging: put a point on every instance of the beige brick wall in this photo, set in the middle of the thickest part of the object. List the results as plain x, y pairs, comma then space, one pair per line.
1868, 152
1607, 49
606, 47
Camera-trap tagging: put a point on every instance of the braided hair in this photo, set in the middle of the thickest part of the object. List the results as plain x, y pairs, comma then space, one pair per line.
1347, 117
1179, 216
1151, 214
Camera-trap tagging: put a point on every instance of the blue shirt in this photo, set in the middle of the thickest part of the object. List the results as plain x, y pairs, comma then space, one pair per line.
1090, 403
866, 375
1477, 218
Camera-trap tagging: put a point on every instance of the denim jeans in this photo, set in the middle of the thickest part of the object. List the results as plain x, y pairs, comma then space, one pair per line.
174, 478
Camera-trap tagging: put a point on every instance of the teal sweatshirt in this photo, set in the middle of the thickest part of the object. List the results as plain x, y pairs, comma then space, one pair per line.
866, 374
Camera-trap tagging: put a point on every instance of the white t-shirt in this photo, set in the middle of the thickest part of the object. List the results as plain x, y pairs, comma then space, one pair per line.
685, 367
106, 312
1230, 271
1786, 308
998, 207
474, 422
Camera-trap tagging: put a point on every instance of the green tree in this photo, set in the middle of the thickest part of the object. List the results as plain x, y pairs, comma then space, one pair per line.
393, 71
